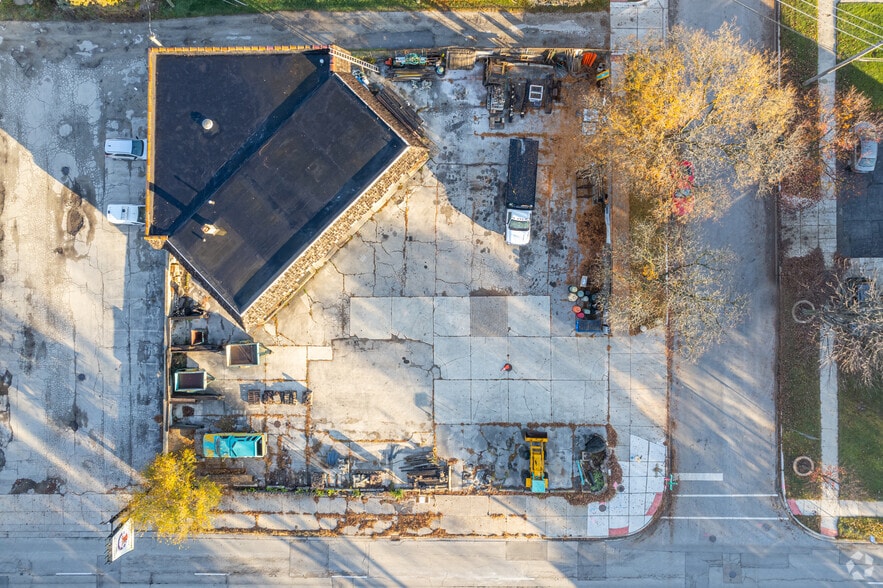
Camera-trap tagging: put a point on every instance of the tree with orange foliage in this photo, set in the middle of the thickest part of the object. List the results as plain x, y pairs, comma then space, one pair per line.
707, 99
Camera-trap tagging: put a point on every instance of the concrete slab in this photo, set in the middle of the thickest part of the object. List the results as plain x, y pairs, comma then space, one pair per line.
453, 356
453, 271
529, 401
453, 402
596, 402
451, 317
490, 400
567, 400
285, 363
320, 353
620, 367
371, 318
648, 370
488, 354
530, 358
419, 268
233, 521
411, 318
529, 316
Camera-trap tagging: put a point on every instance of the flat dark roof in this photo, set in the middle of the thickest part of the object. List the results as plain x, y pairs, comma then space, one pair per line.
292, 147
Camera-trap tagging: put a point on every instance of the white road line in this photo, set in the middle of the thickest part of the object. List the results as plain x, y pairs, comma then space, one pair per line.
725, 495
74, 573
210, 574
722, 518
700, 477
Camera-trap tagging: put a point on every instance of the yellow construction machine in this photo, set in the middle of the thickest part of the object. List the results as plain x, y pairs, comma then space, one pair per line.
538, 481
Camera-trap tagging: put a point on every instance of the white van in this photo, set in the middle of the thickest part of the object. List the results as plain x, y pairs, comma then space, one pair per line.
126, 214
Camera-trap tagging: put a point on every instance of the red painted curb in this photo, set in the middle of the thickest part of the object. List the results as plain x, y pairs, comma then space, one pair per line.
792, 504
620, 532
657, 500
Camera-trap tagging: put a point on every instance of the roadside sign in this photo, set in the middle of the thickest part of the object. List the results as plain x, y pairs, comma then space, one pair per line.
122, 541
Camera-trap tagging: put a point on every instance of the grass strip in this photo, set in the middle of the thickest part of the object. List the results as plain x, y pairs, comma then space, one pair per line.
859, 528
860, 439
861, 25
799, 404
799, 39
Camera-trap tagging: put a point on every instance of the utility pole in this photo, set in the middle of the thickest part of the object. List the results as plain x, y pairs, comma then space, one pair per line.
847, 61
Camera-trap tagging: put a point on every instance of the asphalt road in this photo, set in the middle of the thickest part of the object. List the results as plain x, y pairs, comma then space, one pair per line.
337, 562
352, 30
722, 408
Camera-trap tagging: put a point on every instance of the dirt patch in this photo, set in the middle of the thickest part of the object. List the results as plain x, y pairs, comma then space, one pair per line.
612, 437
614, 479
75, 221
591, 232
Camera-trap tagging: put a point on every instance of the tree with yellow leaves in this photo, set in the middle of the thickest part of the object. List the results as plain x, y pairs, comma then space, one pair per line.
173, 501
91, 2
707, 99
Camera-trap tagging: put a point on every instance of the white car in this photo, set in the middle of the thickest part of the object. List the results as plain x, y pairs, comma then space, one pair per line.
126, 214
517, 226
130, 149
864, 154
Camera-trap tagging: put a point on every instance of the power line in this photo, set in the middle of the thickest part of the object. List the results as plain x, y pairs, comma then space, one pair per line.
851, 15
816, 19
852, 24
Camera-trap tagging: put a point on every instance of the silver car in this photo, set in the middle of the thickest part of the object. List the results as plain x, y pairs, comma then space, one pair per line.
864, 154
130, 149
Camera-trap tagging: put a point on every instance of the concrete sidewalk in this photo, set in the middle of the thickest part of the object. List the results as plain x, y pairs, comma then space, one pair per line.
836, 508
373, 514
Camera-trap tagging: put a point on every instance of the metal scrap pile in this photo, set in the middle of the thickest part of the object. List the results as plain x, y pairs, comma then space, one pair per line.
415, 66
426, 471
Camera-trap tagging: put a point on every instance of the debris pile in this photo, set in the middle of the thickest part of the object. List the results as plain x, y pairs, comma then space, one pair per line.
426, 471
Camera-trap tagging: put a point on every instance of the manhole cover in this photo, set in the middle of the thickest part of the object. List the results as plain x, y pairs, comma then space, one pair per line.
602, 508
712, 538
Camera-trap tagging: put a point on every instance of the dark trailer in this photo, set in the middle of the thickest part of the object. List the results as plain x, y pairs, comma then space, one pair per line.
521, 184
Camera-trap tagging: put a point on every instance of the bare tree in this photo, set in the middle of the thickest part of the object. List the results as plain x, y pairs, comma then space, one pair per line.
665, 272
854, 313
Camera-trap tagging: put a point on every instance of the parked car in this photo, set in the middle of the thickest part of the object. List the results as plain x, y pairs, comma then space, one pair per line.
860, 289
125, 214
130, 149
682, 199
864, 154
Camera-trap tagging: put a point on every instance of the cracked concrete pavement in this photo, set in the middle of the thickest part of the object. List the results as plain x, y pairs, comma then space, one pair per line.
82, 299
85, 310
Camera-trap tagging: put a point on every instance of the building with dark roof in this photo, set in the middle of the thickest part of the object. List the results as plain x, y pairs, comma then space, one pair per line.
261, 163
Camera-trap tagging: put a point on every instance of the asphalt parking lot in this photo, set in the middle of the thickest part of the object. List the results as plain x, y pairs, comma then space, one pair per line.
860, 215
